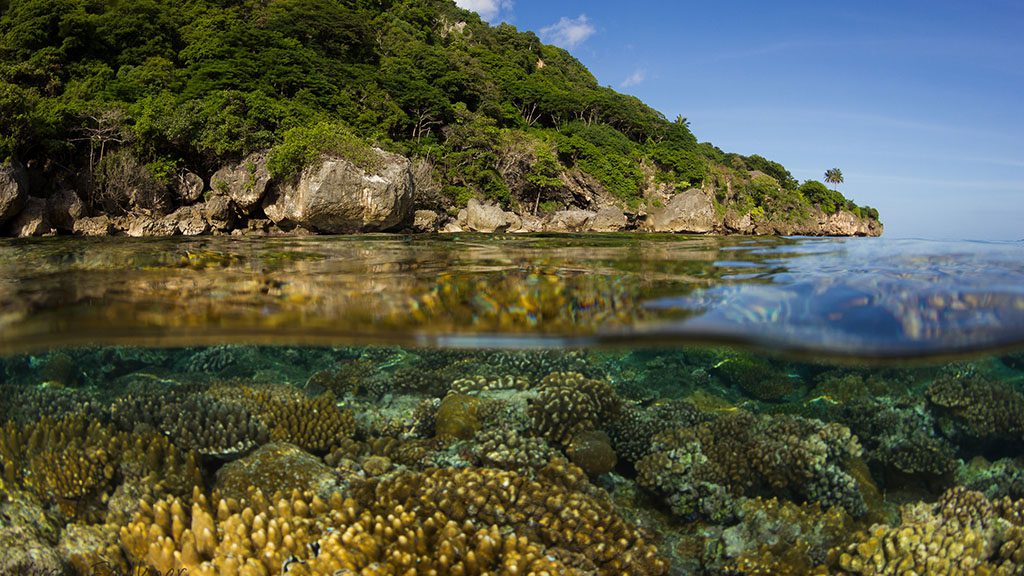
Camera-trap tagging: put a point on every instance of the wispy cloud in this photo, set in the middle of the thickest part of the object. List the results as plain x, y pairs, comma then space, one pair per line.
637, 77
489, 10
569, 32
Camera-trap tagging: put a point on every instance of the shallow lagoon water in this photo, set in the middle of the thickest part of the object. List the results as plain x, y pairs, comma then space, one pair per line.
510, 405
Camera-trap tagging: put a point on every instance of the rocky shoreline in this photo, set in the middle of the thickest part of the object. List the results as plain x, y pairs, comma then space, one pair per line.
337, 196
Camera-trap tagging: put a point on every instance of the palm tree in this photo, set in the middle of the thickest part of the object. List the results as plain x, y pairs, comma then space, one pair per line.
834, 176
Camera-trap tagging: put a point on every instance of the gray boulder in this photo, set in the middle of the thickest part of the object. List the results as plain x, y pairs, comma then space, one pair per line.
425, 221
609, 219
217, 212
244, 183
569, 221
32, 220
690, 211
13, 189
486, 217
146, 226
190, 187
335, 196
93, 226
64, 208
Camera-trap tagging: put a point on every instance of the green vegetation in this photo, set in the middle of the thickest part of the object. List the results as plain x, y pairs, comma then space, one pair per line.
94, 90
834, 176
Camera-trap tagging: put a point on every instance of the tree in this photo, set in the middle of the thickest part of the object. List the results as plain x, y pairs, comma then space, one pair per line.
834, 176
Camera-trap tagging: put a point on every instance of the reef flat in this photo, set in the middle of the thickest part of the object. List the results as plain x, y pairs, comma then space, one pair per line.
386, 460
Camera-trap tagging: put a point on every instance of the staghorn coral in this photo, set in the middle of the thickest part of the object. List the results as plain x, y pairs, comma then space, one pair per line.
32, 403
697, 469
569, 403
557, 509
981, 409
962, 533
470, 521
314, 424
212, 427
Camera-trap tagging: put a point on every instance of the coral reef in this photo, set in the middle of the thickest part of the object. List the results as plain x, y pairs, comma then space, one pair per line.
569, 403
508, 449
213, 428
273, 467
698, 468
314, 424
457, 417
962, 533
977, 408
757, 378
592, 451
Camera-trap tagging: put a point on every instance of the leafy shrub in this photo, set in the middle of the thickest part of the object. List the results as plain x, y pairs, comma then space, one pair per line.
830, 201
305, 145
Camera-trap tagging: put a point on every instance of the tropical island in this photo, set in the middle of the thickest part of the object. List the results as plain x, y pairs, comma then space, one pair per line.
155, 118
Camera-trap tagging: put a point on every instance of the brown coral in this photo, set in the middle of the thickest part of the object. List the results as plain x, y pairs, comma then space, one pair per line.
979, 408
314, 424
569, 403
213, 428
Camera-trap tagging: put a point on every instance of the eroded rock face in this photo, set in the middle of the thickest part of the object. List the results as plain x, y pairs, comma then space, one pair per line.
486, 217
425, 221
93, 226
13, 189
609, 219
569, 221
335, 196
190, 187
691, 211
244, 183
31, 220
64, 208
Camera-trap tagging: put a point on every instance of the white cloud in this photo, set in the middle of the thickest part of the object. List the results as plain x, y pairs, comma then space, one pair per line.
637, 77
487, 9
569, 32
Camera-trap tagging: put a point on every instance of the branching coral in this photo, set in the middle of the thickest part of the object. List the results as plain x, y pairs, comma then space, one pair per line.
696, 468
569, 403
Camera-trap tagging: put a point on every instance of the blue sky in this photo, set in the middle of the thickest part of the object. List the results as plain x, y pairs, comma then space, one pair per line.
918, 102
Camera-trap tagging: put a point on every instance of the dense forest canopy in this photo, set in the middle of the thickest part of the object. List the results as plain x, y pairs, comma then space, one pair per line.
192, 84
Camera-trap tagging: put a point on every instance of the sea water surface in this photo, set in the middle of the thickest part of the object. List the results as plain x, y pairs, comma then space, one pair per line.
486, 404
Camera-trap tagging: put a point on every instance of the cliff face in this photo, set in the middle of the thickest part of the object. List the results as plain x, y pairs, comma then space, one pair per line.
334, 195
154, 137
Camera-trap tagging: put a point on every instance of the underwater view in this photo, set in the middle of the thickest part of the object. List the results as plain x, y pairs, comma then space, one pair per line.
545, 404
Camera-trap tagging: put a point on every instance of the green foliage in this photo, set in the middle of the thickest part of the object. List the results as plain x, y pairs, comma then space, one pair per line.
303, 146
606, 154
817, 193
834, 176
206, 82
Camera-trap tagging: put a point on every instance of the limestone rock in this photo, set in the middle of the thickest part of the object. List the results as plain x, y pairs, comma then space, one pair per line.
32, 220
244, 183
189, 221
487, 217
609, 219
569, 221
147, 226
93, 226
691, 211
425, 220
190, 187
451, 228
217, 212
64, 208
13, 189
336, 196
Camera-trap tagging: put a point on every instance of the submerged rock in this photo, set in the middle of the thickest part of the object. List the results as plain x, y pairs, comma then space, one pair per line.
337, 196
